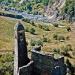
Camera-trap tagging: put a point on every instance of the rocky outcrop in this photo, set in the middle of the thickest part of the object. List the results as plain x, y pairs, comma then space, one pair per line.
53, 11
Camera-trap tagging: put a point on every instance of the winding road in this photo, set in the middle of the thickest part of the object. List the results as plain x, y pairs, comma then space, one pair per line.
50, 16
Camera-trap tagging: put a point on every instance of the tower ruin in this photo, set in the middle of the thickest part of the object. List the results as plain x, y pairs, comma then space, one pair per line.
20, 57
40, 63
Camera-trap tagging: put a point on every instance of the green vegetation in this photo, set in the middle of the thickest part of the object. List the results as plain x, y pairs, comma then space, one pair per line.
47, 39
7, 1
68, 29
58, 37
46, 28
56, 25
44, 39
34, 6
61, 38
37, 42
51, 38
38, 6
55, 36
33, 42
69, 8
6, 64
32, 31
67, 48
56, 50
27, 29
26, 20
13, 15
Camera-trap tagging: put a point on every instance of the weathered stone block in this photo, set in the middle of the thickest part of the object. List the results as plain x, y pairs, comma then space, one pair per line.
48, 63
27, 69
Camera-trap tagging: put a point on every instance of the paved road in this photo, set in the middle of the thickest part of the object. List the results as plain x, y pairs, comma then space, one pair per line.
50, 18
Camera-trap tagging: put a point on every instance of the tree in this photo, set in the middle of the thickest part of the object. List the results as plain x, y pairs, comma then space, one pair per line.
69, 8
29, 6
45, 2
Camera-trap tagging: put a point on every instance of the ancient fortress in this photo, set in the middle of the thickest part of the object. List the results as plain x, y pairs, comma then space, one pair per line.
40, 63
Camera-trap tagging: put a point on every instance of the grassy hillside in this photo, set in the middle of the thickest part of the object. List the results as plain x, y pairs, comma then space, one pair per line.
45, 34
6, 33
47, 37
69, 9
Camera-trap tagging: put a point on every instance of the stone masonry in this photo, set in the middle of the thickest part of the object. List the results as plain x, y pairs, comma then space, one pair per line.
48, 64
22, 64
40, 63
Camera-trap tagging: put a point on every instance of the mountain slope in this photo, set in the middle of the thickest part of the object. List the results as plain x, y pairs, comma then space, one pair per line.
53, 11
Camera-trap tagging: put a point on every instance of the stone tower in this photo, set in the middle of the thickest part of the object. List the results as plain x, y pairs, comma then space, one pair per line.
40, 63
20, 56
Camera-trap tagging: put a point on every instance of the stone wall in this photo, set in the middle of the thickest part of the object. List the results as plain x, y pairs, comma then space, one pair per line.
47, 64
22, 64
44, 64
27, 69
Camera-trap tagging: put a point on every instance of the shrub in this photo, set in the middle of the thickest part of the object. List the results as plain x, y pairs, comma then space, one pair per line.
40, 26
7, 73
44, 39
6, 58
6, 64
32, 22
67, 48
61, 38
49, 40
68, 29
26, 20
55, 36
46, 28
39, 42
58, 37
32, 31
57, 50
55, 25
27, 29
67, 38
33, 42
